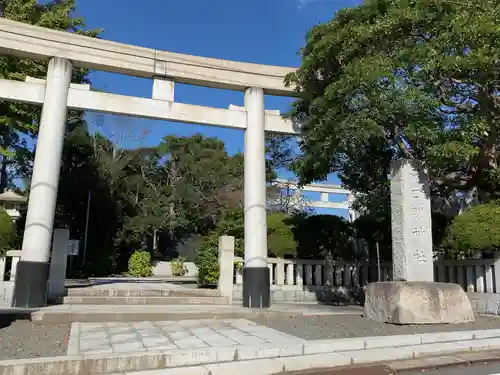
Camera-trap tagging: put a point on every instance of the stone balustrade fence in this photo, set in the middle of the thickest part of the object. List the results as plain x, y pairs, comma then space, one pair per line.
328, 280
474, 275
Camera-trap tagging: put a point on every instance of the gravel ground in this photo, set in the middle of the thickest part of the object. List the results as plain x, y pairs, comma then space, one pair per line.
23, 339
353, 325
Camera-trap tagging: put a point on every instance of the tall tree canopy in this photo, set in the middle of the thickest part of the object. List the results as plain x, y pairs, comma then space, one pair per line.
144, 198
402, 78
184, 184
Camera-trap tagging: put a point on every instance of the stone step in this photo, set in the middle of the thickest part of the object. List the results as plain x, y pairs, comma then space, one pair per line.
143, 300
63, 314
137, 292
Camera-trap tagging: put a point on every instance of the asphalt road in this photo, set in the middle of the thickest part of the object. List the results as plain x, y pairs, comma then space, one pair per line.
489, 369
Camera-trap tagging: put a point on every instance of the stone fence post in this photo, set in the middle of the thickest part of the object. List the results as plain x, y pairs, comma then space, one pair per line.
58, 263
328, 270
226, 267
15, 255
3, 261
496, 270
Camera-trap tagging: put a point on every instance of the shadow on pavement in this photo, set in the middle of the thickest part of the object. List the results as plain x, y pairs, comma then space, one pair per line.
338, 295
11, 314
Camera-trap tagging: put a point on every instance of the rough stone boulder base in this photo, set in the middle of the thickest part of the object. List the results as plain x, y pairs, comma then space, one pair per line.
401, 302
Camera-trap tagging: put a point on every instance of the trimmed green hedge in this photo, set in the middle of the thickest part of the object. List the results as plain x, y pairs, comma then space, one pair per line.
476, 229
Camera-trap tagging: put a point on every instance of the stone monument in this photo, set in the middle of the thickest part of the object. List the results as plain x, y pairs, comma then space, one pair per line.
414, 297
412, 254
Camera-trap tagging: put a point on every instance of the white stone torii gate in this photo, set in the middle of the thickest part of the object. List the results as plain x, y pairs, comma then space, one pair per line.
324, 202
64, 51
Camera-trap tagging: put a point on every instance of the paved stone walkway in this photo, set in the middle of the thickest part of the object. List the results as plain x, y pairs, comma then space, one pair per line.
117, 337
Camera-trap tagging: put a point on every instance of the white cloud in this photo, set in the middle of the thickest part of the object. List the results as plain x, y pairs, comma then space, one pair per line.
304, 3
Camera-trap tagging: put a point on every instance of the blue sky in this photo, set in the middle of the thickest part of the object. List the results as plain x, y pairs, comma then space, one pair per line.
258, 31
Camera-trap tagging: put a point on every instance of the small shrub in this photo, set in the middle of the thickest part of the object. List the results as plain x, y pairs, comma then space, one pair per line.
139, 264
178, 266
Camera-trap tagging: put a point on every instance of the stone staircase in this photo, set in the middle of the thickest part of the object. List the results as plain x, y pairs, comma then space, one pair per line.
151, 300
131, 300
141, 294
143, 297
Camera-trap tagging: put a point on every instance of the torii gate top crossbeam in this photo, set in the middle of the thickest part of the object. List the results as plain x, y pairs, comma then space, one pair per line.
35, 42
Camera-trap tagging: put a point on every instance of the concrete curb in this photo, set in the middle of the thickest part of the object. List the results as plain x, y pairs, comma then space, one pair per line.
74, 340
321, 364
435, 363
276, 357
411, 365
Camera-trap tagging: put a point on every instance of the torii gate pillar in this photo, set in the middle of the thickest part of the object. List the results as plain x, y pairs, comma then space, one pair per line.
32, 270
256, 279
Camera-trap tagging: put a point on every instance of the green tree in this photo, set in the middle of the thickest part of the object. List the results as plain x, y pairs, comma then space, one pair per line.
205, 180
402, 78
280, 152
280, 236
147, 196
180, 188
84, 175
473, 231
372, 230
19, 121
320, 235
